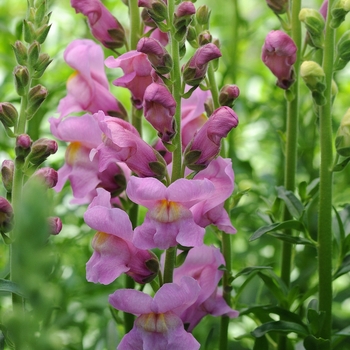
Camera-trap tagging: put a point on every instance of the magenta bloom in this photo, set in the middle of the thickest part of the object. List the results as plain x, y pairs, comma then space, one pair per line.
158, 327
159, 109
196, 68
324, 9
202, 263
193, 114
137, 74
205, 145
169, 220
122, 143
88, 88
104, 26
211, 210
279, 55
114, 253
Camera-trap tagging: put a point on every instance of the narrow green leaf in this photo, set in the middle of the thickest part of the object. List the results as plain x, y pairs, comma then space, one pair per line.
290, 224
274, 284
280, 327
341, 238
251, 269
10, 287
295, 207
344, 267
342, 165
313, 343
292, 239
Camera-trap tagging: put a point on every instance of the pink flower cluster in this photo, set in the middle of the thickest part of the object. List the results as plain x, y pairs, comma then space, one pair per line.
111, 167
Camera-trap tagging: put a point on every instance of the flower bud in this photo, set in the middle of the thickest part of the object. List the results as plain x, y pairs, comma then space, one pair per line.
47, 175
313, 76
183, 14
196, 68
7, 169
339, 10
157, 9
29, 31
205, 38
41, 33
159, 57
324, 9
23, 144
228, 94
36, 97
279, 55
146, 19
20, 51
203, 15
6, 215
41, 150
33, 53
278, 6
342, 139
206, 143
343, 51
21, 75
55, 225
40, 13
41, 65
8, 114
314, 23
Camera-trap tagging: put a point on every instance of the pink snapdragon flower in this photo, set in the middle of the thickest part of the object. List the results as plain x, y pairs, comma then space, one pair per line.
87, 87
122, 143
83, 134
137, 74
324, 9
195, 69
157, 326
114, 253
279, 55
159, 109
169, 220
211, 210
206, 143
202, 263
104, 26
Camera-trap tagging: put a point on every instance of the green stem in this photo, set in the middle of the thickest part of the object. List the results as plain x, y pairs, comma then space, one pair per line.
169, 266
134, 23
213, 86
325, 195
128, 318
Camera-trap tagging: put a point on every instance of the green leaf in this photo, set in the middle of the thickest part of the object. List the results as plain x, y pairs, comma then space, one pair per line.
251, 269
261, 343
316, 319
274, 284
280, 327
8, 340
341, 238
344, 267
295, 207
10, 287
342, 165
313, 343
292, 239
290, 224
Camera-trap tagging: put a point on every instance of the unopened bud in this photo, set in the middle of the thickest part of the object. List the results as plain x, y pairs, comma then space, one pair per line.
8, 114
23, 144
41, 33
36, 97
47, 175
314, 23
203, 15
55, 225
29, 31
342, 140
41, 150
205, 38
41, 65
228, 95
6, 215
191, 36
278, 6
21, 75
20, 51
183, 15
343, 51
157, 9
313, 76
33, 53
7, 169
40, 13
338, 12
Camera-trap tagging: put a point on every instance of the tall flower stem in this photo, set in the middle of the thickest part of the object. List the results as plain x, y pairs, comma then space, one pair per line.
290, 166
325, 194
134, 24
176, 174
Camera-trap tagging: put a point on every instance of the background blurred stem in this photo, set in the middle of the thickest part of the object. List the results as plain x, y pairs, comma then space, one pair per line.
325, 196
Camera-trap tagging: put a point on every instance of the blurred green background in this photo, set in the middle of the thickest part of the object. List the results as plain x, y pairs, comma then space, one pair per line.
77, 312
